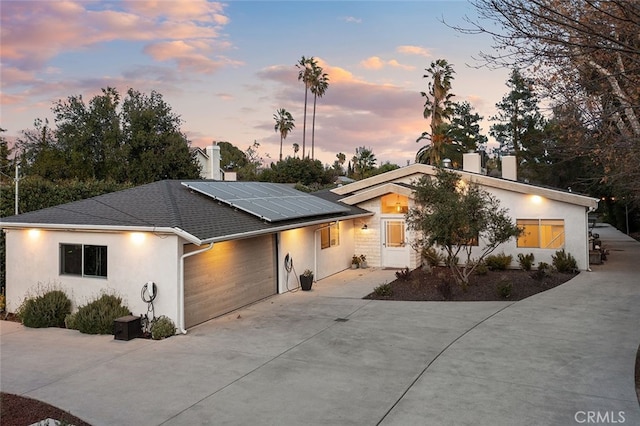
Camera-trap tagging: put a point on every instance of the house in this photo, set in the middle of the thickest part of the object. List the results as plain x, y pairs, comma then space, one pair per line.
207, 250
552, 219
212, 246
209, 161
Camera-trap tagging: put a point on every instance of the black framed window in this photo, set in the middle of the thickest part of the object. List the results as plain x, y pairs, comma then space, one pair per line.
83, 260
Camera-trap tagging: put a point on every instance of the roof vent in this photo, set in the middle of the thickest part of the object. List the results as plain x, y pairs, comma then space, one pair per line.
446, 163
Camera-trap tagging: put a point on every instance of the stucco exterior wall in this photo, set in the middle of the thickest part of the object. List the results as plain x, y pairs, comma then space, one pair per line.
522, 206
33, 256
303, 245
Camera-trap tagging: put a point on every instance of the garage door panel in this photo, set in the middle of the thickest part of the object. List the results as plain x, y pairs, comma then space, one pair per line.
231, 275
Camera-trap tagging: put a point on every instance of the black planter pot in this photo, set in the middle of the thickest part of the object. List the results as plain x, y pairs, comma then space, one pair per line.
306, 282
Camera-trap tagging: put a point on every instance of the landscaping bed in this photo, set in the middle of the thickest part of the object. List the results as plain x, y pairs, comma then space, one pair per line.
422, 285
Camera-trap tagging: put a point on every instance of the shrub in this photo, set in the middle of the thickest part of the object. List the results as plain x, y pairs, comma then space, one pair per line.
432, 256
383, 290
47, 308
525, 261
498, 262
542, 271
403, 274
482, 269
564, 262
162, 327
504, 288
2, 302
97, 317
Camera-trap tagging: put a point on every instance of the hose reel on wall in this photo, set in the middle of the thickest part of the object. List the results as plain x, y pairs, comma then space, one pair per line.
288, 267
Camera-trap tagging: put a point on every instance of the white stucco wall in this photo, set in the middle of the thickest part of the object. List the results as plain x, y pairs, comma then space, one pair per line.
523, 206
34, 257
520, 206
303, 245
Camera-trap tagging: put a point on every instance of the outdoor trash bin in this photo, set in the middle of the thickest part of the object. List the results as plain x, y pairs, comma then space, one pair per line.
127, 328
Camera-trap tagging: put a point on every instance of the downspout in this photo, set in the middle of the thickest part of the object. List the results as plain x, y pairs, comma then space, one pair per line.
181, 286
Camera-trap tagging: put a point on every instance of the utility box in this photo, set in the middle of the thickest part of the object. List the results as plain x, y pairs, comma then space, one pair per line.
127, 328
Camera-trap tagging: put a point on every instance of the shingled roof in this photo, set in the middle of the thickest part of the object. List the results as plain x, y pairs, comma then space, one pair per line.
170, 207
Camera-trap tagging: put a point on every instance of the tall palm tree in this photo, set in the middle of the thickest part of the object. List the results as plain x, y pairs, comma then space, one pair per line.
284, 125
305, 74
439, 108
296, 148
318, 87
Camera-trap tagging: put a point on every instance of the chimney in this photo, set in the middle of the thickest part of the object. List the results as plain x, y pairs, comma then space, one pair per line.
213, 169
509, 167
471, 162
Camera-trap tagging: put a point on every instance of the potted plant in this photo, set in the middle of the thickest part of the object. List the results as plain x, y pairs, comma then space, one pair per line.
363, 261
355, 262
306, 280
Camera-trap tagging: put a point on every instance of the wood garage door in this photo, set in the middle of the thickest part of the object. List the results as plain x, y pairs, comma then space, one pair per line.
231, 275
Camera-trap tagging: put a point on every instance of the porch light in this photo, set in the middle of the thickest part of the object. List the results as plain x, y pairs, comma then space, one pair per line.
137, 238
364, 227
536, 199
33, 233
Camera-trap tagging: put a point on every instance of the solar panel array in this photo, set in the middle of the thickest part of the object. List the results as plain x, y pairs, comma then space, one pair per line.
272, 202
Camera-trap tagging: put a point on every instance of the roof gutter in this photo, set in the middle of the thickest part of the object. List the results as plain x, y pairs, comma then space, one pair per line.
250, 234
181, 324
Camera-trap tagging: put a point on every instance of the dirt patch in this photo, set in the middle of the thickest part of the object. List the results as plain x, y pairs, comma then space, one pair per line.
423, 285
20, 411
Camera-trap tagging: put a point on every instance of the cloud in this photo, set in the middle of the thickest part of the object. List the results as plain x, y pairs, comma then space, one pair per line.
414, 50
35, 32
351, 19
376, 63
387, 118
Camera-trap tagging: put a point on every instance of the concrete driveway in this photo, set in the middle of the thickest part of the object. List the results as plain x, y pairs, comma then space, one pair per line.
327, 357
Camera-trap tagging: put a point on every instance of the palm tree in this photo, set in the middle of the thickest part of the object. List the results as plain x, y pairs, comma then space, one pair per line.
296, 148
363, 162
305, 73
284, 125
439, 108
318, 87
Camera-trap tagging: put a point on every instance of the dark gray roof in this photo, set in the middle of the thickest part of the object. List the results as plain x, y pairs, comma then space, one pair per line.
166, 204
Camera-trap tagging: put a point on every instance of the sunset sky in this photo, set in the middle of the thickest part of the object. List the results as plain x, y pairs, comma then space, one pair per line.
226, 68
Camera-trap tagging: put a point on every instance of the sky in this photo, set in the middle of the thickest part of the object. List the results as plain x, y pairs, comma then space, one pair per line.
225, 68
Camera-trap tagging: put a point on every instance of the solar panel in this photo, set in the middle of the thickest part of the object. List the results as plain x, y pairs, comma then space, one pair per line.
269, 201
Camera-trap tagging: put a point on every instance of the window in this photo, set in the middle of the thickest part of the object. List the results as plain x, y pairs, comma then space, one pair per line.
330, 236
541, 233
83, 260
394, 204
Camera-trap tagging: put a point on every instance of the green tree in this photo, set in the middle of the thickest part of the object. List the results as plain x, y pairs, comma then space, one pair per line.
138, 142
304, 171
306, 67
156, 148
6, 165
451, 214
338, 164
284, 125
319, 86
463, 132
363, 162
438, 107
296, 148
520, 127
232, 158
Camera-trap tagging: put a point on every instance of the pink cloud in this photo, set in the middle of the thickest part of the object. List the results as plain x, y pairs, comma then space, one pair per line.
413, 50
34, 32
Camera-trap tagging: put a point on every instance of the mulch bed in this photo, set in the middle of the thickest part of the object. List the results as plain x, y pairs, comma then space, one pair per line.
423, 285
20, 411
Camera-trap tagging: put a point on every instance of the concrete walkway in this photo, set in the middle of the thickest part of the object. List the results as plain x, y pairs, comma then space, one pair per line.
328, 357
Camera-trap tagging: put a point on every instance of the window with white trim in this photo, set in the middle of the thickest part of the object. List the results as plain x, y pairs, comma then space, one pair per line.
330, 236
83, 260
541, 233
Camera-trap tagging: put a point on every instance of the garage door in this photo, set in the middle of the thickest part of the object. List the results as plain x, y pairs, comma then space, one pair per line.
231, 275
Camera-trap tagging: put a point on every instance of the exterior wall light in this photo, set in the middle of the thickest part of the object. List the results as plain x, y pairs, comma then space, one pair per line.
33, 233
137, 237
364, 227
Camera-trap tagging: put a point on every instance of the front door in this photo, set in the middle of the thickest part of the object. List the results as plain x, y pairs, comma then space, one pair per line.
395, 250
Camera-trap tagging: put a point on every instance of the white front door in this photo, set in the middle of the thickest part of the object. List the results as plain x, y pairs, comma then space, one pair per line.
395, 250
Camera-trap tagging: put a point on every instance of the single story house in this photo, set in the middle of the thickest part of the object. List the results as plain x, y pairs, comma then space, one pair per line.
212, 246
